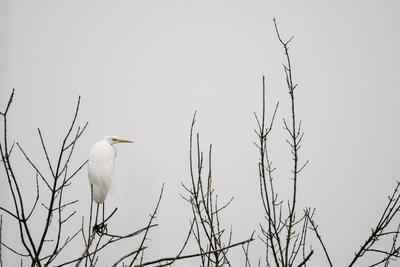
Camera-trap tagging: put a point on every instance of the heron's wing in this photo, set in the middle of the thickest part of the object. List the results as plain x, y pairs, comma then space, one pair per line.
100, 170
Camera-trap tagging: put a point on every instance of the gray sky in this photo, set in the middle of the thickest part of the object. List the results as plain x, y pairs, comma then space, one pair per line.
142, 69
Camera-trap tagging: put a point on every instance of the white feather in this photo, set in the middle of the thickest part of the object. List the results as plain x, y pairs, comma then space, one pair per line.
101, 169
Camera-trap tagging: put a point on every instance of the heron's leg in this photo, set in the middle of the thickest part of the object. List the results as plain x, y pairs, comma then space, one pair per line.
97, 213
103, 211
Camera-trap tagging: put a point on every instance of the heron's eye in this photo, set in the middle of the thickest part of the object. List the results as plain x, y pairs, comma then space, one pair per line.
114, 140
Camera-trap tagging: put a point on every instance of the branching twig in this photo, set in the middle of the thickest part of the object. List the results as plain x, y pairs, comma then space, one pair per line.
314, 227
152, 217
284, 235
54, 204
391, 210
205, 224
194, 255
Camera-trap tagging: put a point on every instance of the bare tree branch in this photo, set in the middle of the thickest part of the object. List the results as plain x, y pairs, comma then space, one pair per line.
391, 210
193, 255
314, 227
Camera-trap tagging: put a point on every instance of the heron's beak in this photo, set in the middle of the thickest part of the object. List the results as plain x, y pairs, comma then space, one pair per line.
124, 140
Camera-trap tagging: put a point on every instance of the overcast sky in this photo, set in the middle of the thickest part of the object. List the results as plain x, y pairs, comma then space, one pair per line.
143, 67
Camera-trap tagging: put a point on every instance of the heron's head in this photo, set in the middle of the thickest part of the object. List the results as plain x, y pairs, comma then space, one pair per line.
111, 139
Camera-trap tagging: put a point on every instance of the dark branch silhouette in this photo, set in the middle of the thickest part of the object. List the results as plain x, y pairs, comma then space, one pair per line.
54, 204
283, 234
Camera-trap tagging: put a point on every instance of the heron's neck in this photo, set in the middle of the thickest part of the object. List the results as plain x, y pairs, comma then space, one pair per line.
115, 151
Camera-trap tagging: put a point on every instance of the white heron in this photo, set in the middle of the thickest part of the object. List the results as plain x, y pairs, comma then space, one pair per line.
101, 167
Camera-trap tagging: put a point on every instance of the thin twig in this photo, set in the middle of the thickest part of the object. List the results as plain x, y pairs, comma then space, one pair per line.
195, 254
315, 230
152, 216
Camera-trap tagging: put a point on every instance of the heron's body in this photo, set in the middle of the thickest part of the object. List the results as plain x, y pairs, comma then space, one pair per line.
101, 169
